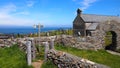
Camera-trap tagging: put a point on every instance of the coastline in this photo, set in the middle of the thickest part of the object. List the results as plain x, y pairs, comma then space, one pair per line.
28, 30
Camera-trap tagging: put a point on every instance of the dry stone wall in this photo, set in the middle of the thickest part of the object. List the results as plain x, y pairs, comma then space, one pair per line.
79, 43
97, 40
65, 60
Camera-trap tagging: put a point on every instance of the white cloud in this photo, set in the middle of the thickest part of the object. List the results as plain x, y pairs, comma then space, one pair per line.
30, 3
22, 13
16, 21
8, 8
85, 3
8, 15
6, 19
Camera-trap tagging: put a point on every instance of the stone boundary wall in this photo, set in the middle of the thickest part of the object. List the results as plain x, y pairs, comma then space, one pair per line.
65, 60
90, 43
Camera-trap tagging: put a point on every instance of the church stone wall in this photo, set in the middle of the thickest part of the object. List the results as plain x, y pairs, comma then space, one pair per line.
105, 27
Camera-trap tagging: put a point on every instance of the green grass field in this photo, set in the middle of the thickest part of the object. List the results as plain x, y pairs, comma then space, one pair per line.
100, 56
12, 58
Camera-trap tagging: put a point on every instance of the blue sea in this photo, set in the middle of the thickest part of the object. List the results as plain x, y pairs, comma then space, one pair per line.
28, 30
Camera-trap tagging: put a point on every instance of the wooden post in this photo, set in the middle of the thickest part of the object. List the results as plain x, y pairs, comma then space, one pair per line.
46, 50
28, 44
52, 44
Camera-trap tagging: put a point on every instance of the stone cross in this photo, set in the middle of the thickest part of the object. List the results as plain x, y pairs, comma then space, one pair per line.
29, 59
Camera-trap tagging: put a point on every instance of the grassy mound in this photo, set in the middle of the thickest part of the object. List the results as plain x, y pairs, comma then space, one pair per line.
12, 58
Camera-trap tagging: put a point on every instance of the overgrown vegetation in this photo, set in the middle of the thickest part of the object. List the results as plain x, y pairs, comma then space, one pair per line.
13, 57
40, 52
100, 56
40, 55
108, 38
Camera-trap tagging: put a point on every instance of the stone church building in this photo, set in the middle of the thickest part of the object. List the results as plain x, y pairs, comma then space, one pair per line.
96, 26
83, 24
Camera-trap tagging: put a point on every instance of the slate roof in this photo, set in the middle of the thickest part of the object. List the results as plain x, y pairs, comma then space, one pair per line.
92, 26
98, 18
95, 19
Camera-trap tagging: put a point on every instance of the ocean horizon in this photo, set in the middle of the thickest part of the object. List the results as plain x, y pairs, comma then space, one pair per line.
28, 30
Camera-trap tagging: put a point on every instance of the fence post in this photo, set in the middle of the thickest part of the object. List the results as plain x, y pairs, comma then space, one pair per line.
33, 49
28, 44
46, 50
52, 44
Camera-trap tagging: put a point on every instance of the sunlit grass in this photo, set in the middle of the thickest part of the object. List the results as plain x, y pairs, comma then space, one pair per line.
100, 56
12, 58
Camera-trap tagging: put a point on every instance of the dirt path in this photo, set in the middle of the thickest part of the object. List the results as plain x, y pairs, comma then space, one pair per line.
37, 64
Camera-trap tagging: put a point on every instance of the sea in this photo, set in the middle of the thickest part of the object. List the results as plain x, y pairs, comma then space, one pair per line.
28, 30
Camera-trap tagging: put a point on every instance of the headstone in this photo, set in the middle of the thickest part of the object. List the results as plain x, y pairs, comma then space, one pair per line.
28, 44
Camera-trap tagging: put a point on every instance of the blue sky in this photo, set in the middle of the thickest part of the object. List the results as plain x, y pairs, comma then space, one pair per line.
52, 12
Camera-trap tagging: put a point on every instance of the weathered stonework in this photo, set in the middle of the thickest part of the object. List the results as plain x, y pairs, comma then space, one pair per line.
96, 27
81, 43
65, 60
110, 26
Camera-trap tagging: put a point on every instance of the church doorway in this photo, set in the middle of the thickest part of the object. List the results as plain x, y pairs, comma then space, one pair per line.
111, 40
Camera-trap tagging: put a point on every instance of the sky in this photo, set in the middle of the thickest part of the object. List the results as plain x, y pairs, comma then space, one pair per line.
60, 13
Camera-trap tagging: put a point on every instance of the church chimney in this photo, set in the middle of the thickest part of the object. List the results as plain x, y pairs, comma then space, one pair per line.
79, 12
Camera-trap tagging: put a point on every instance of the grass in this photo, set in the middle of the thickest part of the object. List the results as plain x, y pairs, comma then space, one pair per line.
13, 57
48, 64
108, 38
40, 56
50, 33
100, 56
40, 52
